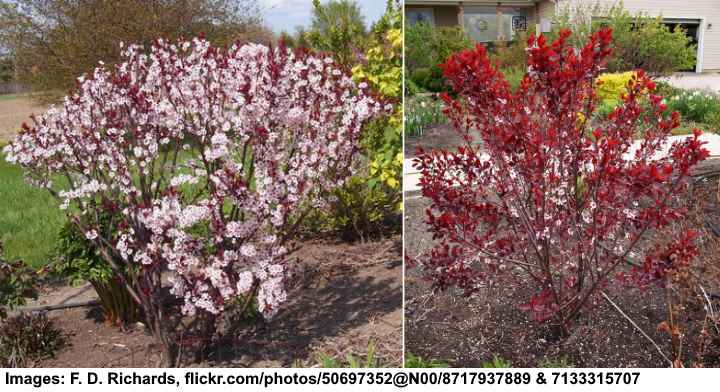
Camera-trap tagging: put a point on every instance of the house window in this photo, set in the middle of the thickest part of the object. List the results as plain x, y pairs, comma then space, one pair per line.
486, 24
420, 15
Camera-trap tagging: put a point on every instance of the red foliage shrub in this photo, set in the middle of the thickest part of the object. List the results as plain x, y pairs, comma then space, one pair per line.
547, 202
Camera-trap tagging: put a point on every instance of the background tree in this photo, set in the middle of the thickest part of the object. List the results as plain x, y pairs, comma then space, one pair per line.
55, 41
337, 26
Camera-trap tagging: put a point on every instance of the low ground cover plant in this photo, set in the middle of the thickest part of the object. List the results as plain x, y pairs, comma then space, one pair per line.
695, 105
18, 283
24, 337
206, 160
421, 113
29, 337
416, 361
368, 360
550, 204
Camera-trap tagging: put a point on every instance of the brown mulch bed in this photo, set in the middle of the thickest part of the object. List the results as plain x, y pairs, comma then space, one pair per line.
342, 298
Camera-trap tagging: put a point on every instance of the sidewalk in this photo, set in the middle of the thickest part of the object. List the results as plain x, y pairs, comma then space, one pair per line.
708, 82
411, 176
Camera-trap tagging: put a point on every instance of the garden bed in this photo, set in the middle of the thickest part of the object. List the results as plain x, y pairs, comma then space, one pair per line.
343, 298
467, 332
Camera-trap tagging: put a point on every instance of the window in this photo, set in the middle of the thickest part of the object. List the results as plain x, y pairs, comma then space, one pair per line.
486, 24
418, 15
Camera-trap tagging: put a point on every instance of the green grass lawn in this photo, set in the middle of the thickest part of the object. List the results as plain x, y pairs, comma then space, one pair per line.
29, 218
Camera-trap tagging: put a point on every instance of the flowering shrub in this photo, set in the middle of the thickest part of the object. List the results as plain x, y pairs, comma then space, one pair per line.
207, 160
547, 202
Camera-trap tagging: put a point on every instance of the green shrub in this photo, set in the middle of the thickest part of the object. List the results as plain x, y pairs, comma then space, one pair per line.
420, 76
449, 40
436, 81
411, 88
427, 45
639, 41
418, 50
18, 282
514, 76
25, 338
430, 79
357, 211
78, 260
416, 361
698, 106
511, 54
645, 42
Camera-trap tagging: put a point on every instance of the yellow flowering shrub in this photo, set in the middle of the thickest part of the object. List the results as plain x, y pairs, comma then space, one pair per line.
611, 86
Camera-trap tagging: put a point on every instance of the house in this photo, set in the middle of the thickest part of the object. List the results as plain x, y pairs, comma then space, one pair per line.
499, 20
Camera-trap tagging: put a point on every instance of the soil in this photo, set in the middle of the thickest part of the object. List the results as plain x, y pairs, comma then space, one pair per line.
342, 299
13, 112
469, 331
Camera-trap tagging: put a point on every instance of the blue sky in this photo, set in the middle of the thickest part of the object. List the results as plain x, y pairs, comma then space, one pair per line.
287, 14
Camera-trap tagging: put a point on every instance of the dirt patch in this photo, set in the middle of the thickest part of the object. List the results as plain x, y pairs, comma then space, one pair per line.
13, 112
342, 297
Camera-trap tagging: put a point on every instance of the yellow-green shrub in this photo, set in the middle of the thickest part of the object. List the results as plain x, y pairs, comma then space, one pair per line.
611, 86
